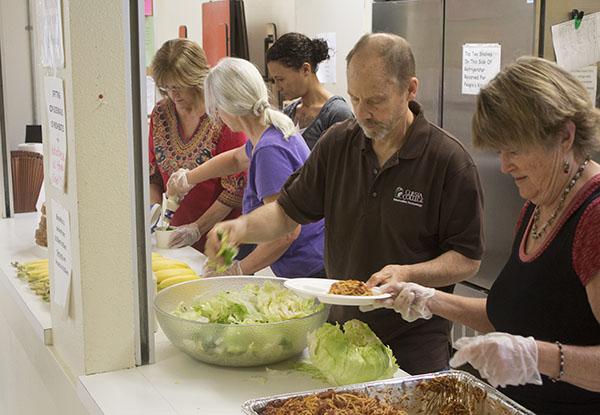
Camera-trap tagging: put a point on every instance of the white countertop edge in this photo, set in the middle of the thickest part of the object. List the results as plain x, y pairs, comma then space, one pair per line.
35, 310
86, 398
144, 399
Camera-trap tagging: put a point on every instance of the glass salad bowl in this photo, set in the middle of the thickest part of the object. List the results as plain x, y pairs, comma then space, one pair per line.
228, 344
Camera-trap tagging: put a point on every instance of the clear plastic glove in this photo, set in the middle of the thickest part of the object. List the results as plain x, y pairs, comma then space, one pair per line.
178, 185
408, 299
185, 235
502, 358
234, 269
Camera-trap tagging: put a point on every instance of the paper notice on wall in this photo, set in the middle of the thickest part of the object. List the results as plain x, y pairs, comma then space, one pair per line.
50, 20
55, 108
588, 76
150, 95
149, 39
576, 48
148, 7
327, 68
481, 62
61, 256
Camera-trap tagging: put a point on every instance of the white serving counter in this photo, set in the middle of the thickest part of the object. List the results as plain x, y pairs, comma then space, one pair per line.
175, 384
17, 244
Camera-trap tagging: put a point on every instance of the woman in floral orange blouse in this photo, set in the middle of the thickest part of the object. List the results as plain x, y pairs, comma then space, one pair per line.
183, 136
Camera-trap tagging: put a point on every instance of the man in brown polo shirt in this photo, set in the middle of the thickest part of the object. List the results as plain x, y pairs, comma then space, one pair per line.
401, 200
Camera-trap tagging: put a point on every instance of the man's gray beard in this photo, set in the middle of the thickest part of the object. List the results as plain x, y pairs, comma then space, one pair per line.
379, 135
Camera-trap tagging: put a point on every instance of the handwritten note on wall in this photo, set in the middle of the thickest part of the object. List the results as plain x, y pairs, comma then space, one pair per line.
588, 76
55, 108
575, 48
61, 248
481, 62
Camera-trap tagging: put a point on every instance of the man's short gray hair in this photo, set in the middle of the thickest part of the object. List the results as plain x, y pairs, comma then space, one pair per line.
395, 51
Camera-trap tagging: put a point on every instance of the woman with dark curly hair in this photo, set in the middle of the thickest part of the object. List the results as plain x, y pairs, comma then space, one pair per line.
293, 61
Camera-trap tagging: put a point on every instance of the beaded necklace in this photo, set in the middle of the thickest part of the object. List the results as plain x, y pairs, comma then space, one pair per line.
535, 234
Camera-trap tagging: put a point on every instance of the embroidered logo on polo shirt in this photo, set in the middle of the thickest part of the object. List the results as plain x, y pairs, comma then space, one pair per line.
409, 197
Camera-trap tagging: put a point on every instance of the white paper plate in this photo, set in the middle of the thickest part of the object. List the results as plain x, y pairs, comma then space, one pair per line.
319, 287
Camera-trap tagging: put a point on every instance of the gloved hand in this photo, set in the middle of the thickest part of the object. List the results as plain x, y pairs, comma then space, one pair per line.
408, 299
178, 185
185, 235
234, 269
502, 358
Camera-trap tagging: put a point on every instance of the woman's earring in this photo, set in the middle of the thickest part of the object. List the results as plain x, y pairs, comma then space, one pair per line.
566, 167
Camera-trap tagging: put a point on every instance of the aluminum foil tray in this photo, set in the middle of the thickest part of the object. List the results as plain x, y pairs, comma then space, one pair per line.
421, 395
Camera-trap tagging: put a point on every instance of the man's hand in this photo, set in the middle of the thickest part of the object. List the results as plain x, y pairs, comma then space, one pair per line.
502, 358
235, 231
389, 273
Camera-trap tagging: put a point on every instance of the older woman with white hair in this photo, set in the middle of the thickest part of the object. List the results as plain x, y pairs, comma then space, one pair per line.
236, 94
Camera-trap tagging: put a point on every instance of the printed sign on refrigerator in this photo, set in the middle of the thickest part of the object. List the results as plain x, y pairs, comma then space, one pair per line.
55, 108
61, 254
480, 63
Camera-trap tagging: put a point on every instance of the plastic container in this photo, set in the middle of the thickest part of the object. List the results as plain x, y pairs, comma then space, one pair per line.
163, 236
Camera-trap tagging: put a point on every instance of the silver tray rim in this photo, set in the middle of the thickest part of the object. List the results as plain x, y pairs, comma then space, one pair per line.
248, 407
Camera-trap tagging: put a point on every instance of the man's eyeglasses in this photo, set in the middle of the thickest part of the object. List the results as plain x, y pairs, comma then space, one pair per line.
167, 89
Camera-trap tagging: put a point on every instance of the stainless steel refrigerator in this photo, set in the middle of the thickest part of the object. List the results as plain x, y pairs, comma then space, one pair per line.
437, 31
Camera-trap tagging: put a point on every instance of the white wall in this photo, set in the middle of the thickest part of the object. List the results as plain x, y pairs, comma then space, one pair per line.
258, 14
349, 19
170, 14
99, 332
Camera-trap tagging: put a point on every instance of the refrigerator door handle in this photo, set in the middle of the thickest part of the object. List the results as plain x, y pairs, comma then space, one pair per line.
227, 45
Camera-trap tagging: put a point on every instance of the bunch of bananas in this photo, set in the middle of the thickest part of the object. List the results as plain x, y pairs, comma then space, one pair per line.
170, 271
35, 273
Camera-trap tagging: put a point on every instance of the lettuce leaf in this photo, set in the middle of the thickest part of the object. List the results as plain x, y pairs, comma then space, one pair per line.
353, 354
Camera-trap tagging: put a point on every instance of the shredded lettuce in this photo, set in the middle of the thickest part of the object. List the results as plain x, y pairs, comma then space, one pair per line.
352, 355
225, 255
253, 304
231, 343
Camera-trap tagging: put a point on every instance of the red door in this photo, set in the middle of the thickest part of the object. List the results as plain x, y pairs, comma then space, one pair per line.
215, 30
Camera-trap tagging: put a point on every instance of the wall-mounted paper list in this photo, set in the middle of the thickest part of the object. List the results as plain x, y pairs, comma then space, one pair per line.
326, 71
55, 107
575, 48
61, 249
588, 76
481, 62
